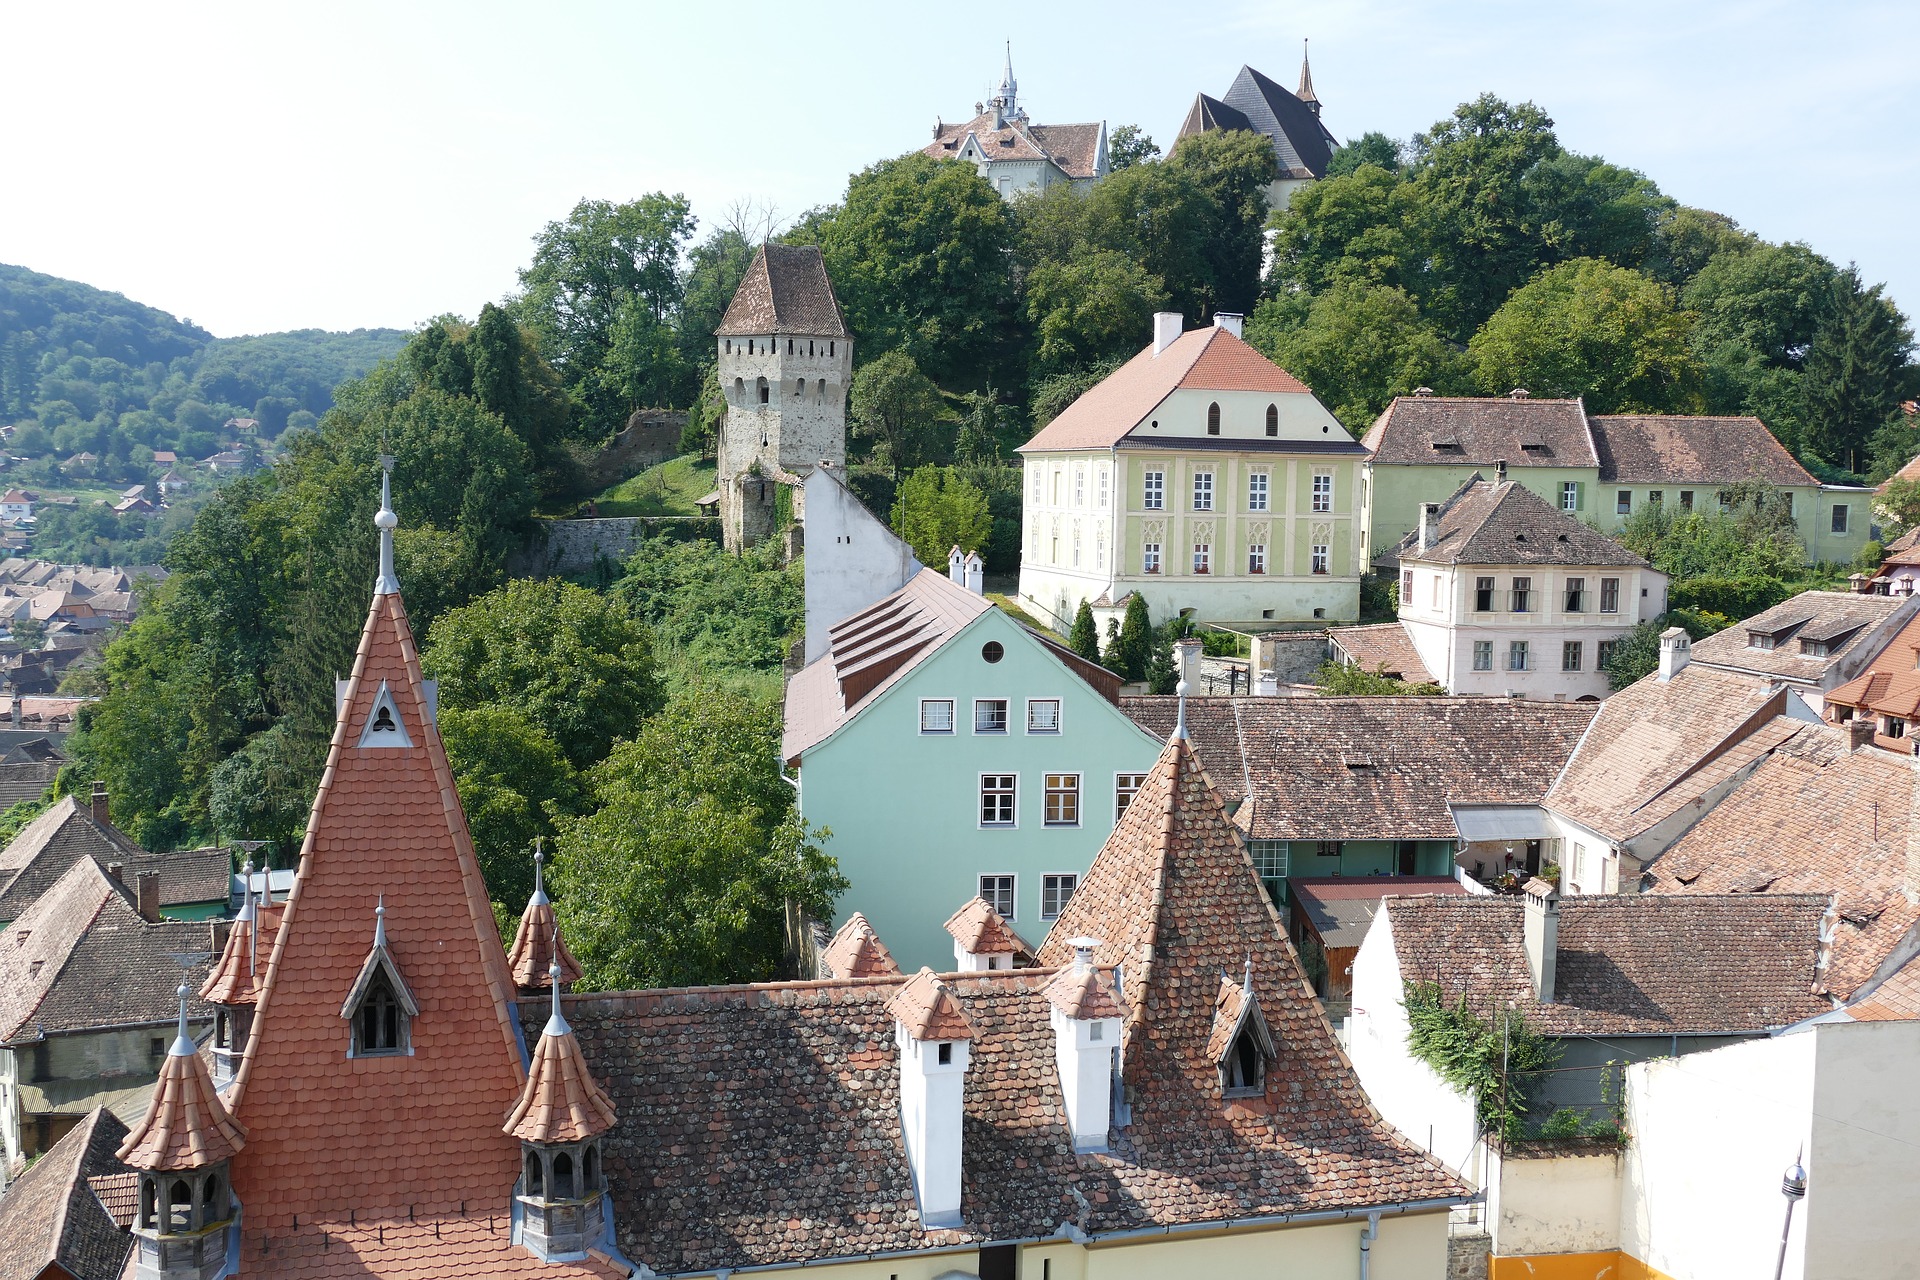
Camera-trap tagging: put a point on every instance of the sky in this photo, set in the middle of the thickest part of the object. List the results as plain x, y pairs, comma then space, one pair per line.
263, 166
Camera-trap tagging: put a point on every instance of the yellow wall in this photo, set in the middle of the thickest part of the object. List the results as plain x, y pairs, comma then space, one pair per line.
1609, 1264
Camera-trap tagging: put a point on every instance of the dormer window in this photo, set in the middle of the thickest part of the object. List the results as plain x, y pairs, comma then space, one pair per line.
379, 1009
380, 1025
1241, 1044
1245, 1068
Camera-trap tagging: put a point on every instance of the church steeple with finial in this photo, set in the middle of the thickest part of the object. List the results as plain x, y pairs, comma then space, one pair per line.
1305, 93
386, 521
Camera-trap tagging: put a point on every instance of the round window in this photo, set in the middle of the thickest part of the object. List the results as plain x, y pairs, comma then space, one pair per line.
992, 651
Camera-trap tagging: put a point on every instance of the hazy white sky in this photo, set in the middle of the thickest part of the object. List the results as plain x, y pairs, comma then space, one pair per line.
260, 166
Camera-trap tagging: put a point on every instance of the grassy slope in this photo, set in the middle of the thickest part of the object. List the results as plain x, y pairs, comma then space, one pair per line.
666, 490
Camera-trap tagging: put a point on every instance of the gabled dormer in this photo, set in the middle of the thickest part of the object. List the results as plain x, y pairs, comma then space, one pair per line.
1241, 1046
379, 1008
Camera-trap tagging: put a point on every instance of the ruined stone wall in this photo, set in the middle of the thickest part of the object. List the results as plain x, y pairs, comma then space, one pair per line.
561, 548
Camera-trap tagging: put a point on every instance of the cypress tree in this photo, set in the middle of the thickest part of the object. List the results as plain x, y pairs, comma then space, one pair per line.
1084, 639
1136, 640
1856, 371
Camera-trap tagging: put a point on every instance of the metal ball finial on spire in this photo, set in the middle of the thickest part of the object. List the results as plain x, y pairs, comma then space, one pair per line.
556, 1024
380, 921
182, 1042
539, 885
386, 521
1180, 726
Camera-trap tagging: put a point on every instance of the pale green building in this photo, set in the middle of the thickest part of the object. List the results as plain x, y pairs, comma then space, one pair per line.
954, 753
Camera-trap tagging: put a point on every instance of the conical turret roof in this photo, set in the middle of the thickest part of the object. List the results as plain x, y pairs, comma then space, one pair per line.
186, 1126
537, 944
562, 1102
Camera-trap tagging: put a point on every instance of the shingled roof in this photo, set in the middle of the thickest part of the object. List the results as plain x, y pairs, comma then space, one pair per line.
46, 847
1501, 522
1813, 818
1072, 148
1369, 768
537, 943
1808, 634
785, 290
980, 930
1301, 143
186, 1125
562, 1102
1384, 648
1452, 431
1627, 964
1639, 448
1890, 685
51, 1223
857, 952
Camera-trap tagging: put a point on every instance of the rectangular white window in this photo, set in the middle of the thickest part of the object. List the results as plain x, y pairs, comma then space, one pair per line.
936, 715
1483, 595
1603, 653
1125, 787
1063, 800
1517, 656
1104, 478
1483, 655
1269, 858
1321, 559
1153, 491
996, 799
1623, 502
1437, 580
1520, 599
1203, 491
989, 715
997, 891
1257, 557
1257, 491
1323, 492
1043, 715
1150, 558
1570, 495
1570, 655
1079, 487
1609, 595
1203, 557
1036, 484
1054, 892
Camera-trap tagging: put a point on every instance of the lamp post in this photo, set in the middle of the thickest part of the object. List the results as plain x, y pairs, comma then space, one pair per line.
1794, 1187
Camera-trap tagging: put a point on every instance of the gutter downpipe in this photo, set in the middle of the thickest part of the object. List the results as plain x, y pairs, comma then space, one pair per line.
1367, 1238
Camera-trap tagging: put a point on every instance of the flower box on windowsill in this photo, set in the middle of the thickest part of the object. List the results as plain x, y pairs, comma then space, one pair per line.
1201, 570
1256, 571
1154, 571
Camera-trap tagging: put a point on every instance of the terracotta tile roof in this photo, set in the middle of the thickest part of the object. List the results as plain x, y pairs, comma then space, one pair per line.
1453, 431
928, 1010
186, 1125
1384, 647
1084, 994
1904, 549
67, 832
1813, 818
1207, 359
785, 290
1656, 746
1508, 523
51, 1224
118, 1193
1627, 964
562, 1102
1231, 1006
382, 1136
1073, 148
538, 943
872, 650
1675, 449
1890, 685
1895, 1000
242, 969
980, 930
1371, 767
857, 952
424, 1248
82, 958
1840, 622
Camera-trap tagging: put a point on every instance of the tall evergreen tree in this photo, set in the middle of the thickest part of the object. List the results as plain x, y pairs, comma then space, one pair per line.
1136, 640
1856, 372
1084, 639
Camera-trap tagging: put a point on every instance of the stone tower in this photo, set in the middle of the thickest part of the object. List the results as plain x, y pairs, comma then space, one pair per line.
785, 361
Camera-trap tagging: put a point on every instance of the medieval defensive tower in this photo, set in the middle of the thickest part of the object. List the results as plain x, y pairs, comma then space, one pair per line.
785, 361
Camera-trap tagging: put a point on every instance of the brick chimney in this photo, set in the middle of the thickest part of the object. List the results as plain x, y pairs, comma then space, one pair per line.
1859, 732
1541, 933
99, 799
147, 894
117, 870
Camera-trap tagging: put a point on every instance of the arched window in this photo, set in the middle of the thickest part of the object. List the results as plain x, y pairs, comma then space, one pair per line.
147, 1210
179, 1207
761, 383
739, 390
1246, 1065
1273, 419
380, 1020
563, 1177
799, 388
1213, 419
536, 1183
208, 1199
820, 392
592, 1169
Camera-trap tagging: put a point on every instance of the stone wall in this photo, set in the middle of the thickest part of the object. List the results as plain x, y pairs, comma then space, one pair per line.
651, 437
1292, 656
1467, 1256
560, 548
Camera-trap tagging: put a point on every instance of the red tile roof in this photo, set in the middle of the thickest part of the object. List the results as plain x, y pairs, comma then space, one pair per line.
1842, 623
1895, 1000
1084, 994
186, 1125
1385, 648
1205, 359
538, 944
561, 1102
980, 930
1640, 448
928, 1010
857, 952
1504, 522
426, 1247
243, 962
785, 290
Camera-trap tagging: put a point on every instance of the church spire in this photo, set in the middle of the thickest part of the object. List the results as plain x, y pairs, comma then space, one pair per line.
386, 521
1305, 93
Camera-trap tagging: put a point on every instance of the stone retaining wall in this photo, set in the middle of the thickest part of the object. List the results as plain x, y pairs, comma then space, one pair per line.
560, 548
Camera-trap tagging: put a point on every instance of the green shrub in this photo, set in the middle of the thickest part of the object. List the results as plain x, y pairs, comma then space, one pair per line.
1564, 1123
1735, 597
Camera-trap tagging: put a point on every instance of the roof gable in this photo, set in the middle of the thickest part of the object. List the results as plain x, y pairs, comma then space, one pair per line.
785, 290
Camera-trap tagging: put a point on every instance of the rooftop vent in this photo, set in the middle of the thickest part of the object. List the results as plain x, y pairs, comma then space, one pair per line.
1519, 393
1423, 393
1444, 442
1358, 760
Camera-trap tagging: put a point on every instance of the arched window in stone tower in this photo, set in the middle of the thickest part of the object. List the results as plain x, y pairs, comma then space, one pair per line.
765, 391
800, 389
820, 392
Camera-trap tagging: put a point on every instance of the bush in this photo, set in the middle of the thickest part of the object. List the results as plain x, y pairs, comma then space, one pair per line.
1735, 597
1350, 679
1564, 1123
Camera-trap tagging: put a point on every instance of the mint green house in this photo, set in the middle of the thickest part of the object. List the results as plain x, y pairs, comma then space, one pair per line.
954, 753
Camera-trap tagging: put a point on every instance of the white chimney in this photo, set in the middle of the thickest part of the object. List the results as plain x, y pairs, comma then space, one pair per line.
981, 938
935, 1042
1429, 524
1186, 661
956, 567
1166, 329
1541, 930
1086, 1031
1676, 650
976, 574
1232, 321
1266, 685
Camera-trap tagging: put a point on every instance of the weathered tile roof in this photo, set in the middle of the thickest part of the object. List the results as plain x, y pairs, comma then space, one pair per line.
1890, 685
562, 1102
1074, 148
1453, 431
1301, 143
1371, 767
1341, 908
857, 952
67, 831
51, 1223
1382, 647
1674, 449
928, 1010
242, 968
1084, 994
538, 943
186, 1125
381, 1137
1838, 621
437, 1244
870, 651
980, 930
1508, 523
1627, 964
1205, 359
1211, 113
82, 958
1656, 746
26, 780
1895, 1000
1813, 818
785, 291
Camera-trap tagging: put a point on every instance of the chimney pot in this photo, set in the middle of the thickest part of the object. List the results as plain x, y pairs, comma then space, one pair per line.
1232, 321
1166, 329
147, 893
1500, 470
1859, 732
1541, 930
118, 870
99, 802
1423, 393
976, 569
1676, 651
1519, 393
1186, 661
956, 567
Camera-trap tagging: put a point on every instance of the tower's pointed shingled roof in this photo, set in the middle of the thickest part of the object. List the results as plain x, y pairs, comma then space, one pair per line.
332, 1138
1305, 91
785, 291
537, 944
186, 1126
242, 970
562, 1102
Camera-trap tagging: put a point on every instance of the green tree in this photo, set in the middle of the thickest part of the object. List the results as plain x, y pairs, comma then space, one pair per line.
937, 509
1351, 679
511, 381
1234, 169
1897, 503
1135, 640
514, 784
1856, 371
713, 612
1687, 239
1372, 148
1084, 638
696, 836
264, 791
571, 662
1127, 146
1635, 655
1090, 310
896, 412
1358, 346
1588, 328
715, 267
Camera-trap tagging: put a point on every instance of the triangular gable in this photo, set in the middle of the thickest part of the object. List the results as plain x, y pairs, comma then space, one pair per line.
379, 960
385, 727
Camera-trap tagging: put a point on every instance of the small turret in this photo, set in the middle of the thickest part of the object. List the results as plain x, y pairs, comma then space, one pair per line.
1305, 93
538, 947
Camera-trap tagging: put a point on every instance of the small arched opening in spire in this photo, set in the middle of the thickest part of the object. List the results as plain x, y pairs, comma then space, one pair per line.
536, 1181
591, 1168
179, 1207
764, 390
377, 1029
563, 1188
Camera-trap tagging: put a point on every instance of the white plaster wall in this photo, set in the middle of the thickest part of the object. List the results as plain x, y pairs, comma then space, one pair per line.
931, 1110
1712, 1134
1554, 1204
1863, 1163
851, 560
1406, 1092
